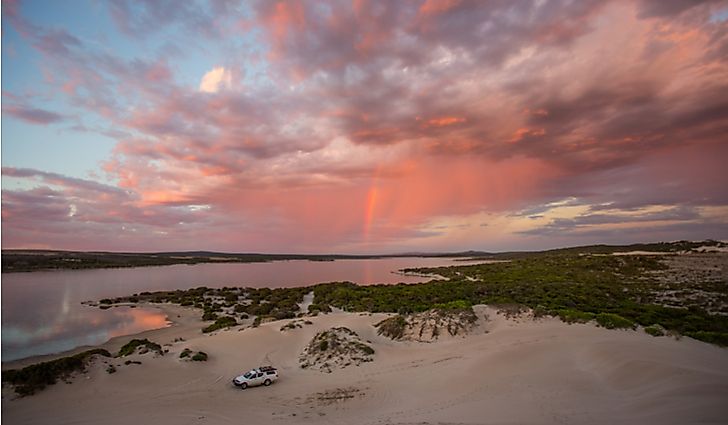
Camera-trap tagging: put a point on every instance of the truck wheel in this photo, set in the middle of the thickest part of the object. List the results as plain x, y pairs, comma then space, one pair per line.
243, 386
267, 382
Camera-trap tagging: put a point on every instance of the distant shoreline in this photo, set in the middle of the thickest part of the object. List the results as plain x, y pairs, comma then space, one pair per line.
23, 261
29, 260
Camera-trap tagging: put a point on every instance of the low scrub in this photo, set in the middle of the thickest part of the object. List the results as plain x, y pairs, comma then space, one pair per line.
200, 356
655, 330
209, 316
717, 338
335, 348
614, 321
145, 344
319, 308
429, 325
392, 327
221, 323
575, 316
33, 378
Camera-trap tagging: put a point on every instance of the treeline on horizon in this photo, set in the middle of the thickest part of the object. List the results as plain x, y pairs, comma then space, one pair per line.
21, 260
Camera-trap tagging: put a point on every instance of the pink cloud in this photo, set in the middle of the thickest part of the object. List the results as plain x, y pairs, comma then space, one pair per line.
383, 117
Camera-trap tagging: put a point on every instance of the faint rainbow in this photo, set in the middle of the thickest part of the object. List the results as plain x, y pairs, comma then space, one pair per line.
370, 207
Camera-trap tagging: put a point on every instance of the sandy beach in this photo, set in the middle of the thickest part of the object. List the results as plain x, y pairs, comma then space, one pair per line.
506, 371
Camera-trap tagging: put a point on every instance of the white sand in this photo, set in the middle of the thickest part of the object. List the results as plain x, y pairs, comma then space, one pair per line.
506, 372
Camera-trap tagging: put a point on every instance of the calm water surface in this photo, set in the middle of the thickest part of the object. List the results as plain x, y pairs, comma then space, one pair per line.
42, 311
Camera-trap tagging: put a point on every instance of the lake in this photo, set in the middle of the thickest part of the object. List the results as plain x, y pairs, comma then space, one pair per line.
42, 311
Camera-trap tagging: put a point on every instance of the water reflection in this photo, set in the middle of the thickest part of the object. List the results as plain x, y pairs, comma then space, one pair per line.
42, 311
87, 326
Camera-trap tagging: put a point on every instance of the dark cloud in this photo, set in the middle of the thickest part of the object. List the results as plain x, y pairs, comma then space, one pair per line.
665, 8
588, 220
698, 230
140, 19
61, 180
32, 115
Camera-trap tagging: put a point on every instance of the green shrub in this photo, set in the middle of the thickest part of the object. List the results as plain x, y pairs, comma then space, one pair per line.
392, 327
185, 353
200, 356
324, 345
209, 316
284, 314
717, 338
454, 305
614, 321
110, 369
33, 378
365, 348
540, 311
575, 316
220, 323
655, 330
321, 308
131, 347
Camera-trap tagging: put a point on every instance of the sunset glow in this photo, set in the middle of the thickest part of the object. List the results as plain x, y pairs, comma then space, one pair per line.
362, 127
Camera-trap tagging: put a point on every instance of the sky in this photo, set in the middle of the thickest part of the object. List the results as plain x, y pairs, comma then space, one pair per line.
362, 126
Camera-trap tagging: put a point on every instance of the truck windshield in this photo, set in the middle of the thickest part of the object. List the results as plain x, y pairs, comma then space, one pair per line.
249, 375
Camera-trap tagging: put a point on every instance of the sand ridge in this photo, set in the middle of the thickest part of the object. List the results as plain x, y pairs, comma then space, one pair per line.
505, 371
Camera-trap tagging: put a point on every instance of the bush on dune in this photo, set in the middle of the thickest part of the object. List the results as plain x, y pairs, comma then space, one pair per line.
200, 356
132, 346
220, 323
33, 378
614, 321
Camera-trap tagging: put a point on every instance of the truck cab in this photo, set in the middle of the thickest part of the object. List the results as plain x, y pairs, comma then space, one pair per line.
264, 375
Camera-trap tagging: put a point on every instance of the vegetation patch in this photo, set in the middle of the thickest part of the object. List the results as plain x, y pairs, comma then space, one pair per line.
575, 316
295, 324
33, 378
209, 316
142, 346
614, 321
392, 327
511, 311
429, 325
187, 354
655, 330
221, 323
335, 348
199, 356
685, 294
717, 338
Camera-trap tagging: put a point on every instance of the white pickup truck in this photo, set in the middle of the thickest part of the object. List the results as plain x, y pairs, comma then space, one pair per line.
264, 375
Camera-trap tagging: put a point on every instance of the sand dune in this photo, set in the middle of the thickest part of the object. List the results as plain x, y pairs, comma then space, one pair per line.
504, 372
